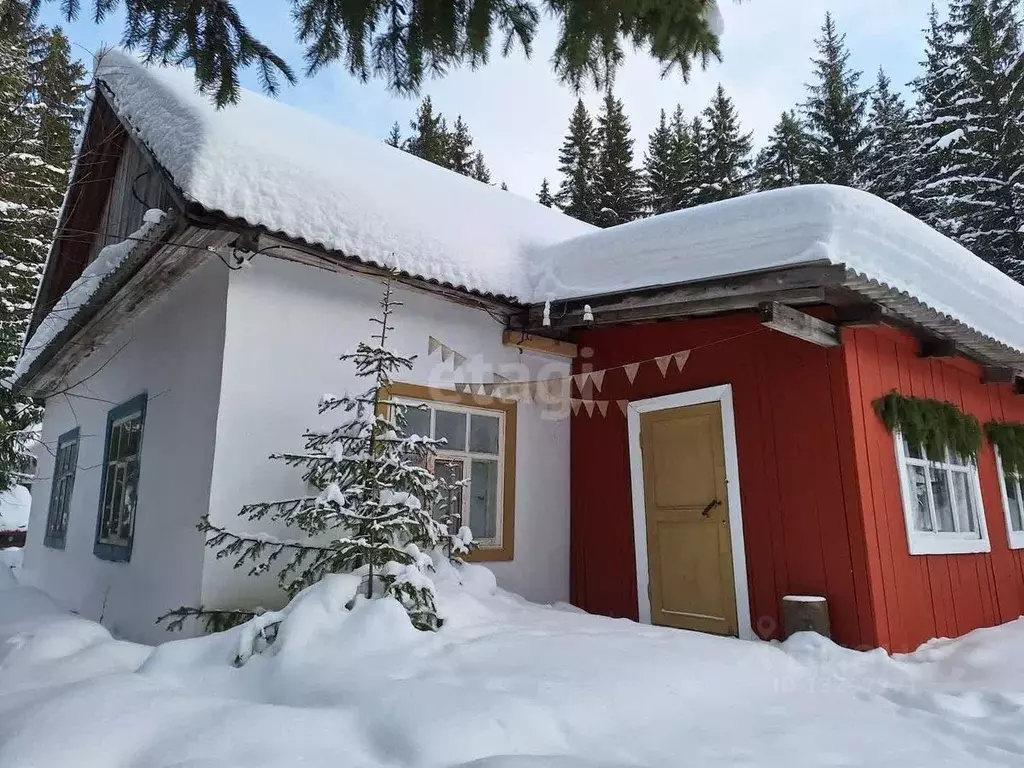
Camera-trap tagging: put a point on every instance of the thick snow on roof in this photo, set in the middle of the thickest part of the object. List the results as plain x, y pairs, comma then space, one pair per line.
281, 168
787, 227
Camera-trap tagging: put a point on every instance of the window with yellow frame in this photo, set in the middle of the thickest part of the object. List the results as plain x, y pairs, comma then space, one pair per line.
480, 435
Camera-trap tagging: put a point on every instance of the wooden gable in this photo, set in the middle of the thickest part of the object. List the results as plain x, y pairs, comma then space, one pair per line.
113, 184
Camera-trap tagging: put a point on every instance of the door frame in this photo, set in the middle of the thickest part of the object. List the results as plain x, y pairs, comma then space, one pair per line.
723, 395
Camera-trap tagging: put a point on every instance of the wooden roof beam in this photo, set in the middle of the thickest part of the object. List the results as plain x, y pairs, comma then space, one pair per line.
994, 375
800, 325
937, 348
805, 284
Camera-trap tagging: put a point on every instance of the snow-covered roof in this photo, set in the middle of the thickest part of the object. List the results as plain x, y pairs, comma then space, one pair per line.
291, 172
825, 224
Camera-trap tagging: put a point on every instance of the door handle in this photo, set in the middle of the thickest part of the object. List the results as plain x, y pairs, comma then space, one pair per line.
707, 510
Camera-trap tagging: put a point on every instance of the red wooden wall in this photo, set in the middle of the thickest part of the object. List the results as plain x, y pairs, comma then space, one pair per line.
923, 596
798, 484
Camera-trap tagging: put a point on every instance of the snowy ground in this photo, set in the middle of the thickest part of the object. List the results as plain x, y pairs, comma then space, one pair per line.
505, 684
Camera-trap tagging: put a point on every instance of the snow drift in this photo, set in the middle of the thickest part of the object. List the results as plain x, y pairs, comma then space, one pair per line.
504, 684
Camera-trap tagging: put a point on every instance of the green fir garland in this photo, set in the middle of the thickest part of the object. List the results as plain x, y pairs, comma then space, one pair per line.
1009, 440
932, 425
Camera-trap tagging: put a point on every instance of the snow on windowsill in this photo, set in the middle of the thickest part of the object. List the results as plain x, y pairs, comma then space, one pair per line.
82, 290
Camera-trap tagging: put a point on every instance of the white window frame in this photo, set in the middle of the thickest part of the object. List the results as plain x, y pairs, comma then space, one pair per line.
467, 457
1015, 538
937, 542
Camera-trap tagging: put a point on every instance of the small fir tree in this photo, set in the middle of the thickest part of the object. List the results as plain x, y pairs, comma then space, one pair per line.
480, 171
835, 112
544, 196
783, 160
577, 195
376, 499
394, 138
725, 152
619, 195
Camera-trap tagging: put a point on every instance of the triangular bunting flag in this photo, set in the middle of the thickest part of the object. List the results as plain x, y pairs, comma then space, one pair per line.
663, 363
446, 353
589, 405
464, 386
432, 345
460, 360
602, 406
680, 359
575, 405
580, 379
623, 406
487, 389
631, 370
498, 378
598, 378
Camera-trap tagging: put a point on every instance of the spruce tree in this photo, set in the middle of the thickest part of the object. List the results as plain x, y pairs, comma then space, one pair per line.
460, 157
695, 169
937, 115
888, 171
404, 41
835, 112
617, 182
429, 138
40, 111
544, 196
375, 510
577, 195
984, 151
725, 152
782, 162
660, 168
688, 160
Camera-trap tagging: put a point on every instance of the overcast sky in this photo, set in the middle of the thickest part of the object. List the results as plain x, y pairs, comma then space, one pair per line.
518, 112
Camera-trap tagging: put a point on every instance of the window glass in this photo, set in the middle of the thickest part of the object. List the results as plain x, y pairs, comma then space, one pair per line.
966, 515
417, 421
62, 484
451, 426
120, 485
942, 500
483, 502
1015, 499
483, 433
919, 489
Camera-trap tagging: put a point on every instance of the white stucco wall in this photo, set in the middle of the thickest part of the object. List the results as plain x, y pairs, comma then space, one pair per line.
173, 352
286, 326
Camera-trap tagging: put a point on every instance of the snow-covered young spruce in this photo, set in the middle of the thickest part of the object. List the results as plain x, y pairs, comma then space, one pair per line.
378, 499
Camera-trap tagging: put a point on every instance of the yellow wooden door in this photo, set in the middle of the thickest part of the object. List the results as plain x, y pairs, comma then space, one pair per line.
689, 549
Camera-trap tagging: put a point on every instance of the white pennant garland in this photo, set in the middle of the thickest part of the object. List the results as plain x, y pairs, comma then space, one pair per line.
602, 406
432, 345
589, 405
663, 363
598, 378
680, 359
631, 371
575, 405
623, 406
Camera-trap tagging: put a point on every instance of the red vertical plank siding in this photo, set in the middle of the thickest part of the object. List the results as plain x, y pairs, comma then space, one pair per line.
798, 472
920, 597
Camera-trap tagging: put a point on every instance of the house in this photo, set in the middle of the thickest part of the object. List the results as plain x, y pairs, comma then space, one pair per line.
720, 366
